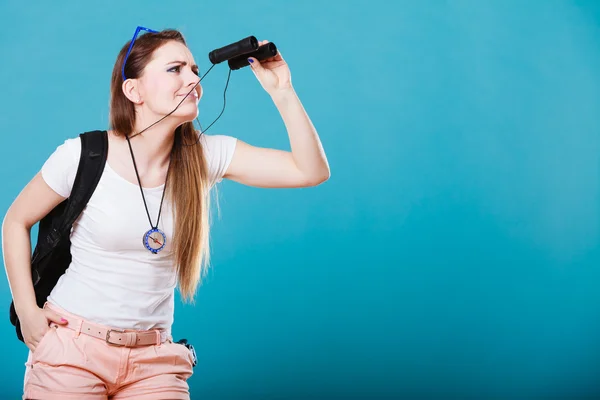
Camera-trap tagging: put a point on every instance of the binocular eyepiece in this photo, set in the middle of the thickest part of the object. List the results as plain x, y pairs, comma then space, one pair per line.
237, 53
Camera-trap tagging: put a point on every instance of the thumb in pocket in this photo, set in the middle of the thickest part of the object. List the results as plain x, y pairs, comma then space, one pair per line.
54, 317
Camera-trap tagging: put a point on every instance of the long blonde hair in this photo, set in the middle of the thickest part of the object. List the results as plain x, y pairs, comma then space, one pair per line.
187, 187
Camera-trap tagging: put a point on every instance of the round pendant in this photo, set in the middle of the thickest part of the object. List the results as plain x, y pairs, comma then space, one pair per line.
155, 240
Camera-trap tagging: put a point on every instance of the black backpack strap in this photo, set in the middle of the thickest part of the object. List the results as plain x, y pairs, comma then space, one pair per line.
94, 151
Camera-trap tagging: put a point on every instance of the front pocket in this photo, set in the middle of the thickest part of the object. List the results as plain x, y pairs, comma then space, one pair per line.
180, 354
42, 343
182, 351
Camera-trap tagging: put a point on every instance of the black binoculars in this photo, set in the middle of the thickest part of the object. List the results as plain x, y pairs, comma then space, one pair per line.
237, 53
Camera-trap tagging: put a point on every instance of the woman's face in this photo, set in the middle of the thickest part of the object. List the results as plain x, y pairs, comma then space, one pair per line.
167, 80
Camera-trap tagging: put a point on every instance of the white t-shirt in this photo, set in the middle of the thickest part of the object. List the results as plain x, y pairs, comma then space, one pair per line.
113, 279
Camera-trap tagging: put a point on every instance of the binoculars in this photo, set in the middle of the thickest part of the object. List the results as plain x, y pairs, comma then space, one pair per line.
237, 53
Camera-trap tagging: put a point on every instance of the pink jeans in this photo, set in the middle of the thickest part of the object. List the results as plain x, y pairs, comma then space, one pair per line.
70, 364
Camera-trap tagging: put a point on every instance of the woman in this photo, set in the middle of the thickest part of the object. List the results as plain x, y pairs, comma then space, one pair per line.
105, 331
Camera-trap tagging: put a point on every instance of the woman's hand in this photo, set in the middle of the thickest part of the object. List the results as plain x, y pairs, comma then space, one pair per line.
35, 324
273, 73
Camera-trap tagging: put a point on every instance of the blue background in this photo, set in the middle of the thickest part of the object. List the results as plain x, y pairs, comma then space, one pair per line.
454, 253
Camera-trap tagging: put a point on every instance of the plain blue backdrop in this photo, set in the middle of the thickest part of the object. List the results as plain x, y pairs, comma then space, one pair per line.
455, 251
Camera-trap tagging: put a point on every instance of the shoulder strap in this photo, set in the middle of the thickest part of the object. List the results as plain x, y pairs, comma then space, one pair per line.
94, 151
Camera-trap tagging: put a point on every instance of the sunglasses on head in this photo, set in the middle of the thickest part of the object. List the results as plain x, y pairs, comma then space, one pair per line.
137, 31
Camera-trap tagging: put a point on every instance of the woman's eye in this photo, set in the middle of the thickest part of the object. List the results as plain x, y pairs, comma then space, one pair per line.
177, 68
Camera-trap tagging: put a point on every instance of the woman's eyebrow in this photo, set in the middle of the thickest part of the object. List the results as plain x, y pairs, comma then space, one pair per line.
184, 63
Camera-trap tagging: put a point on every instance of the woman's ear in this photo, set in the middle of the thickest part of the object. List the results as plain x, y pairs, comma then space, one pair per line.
131, 91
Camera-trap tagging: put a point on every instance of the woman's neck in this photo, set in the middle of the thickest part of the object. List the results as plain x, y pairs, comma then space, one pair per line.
152, 148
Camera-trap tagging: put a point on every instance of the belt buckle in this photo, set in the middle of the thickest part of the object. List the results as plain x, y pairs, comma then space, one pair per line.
108, 336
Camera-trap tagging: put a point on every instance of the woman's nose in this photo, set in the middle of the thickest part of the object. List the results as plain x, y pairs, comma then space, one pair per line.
191, 78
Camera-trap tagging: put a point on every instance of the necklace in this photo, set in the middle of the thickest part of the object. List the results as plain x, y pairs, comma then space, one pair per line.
154, 239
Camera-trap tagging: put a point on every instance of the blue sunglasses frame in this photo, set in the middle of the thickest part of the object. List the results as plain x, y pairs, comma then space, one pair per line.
137, 31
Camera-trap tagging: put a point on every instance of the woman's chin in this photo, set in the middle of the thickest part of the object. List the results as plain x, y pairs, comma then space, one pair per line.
185, 115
